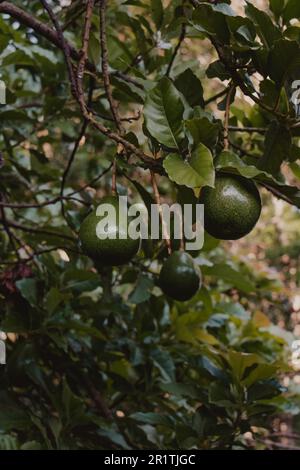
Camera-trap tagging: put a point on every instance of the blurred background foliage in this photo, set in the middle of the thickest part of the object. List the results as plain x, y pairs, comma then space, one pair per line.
100, 358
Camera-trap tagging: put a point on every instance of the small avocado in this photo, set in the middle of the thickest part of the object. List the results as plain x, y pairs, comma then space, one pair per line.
180, 277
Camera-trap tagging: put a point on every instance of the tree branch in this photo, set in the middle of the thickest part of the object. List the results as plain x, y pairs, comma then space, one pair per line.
24, 228
105, 67
51, 35
85, 45
64, 45
227, 113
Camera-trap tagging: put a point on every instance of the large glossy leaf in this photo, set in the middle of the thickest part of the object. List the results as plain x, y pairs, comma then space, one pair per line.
195, 172
163, 113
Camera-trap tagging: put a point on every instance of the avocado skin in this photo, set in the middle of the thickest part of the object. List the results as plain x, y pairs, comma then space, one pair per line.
107, 252
232, 208
180, 277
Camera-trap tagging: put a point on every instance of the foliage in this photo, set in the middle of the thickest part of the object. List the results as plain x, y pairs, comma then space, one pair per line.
99, 358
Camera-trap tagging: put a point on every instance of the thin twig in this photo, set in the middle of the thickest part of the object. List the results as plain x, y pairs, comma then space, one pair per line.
108, 90
105, 67
69, 165
158, 202
65, 46
38, 205
180, 41
92, 182
85, 45
34, 230
259, 130
227, 113
216, 96
38, 253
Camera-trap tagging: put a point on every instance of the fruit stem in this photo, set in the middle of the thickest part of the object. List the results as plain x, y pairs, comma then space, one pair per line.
158, 202
227, 113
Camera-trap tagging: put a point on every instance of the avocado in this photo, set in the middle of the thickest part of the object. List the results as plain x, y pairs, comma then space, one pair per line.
108, 251
232, 208
180, 277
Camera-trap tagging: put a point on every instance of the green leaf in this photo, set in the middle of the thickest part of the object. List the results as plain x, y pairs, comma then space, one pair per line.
180, 389
191, 88
267, 31
145, 195
142, 290
112, 433
243, 31
164, 362
218, 70
269, 94
153, 418
284, 58
195, 172
80, 280
239, 362
157, 12
53, 299
206, 20
228, 160
72, 405
231, 276
203, 131
164, 114
189, 329
232, 163
220, 395
29, 290
291, 10
277, 148
261, 372
14, 418
277, 7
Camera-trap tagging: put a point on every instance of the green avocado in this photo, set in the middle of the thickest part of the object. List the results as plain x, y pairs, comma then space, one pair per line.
232, 208
180, 277
108, 251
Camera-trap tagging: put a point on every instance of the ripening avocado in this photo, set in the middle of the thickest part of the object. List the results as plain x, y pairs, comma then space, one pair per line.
232, 208
180, 277
104, 250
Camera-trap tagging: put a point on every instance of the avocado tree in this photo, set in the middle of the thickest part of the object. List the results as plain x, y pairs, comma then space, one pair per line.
177, 101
